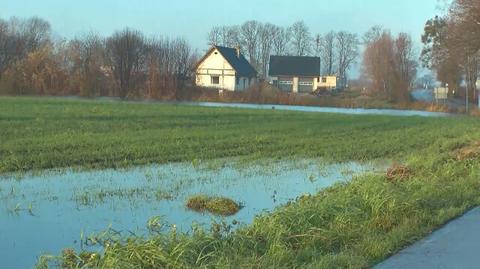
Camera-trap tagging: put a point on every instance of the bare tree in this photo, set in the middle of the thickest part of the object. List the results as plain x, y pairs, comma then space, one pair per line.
328, 53
125, 51
88, 53
250, 32
267, 34
405, 66
214, 36
281, 39
301, 39
230, 36
347, 46
19, 37
373, 34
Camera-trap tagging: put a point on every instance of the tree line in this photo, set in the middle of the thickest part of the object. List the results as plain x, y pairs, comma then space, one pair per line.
338, 51
125, 64
452, 46
129, 64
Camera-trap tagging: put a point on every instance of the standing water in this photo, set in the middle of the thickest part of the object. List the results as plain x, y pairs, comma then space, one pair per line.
43, 214
336, 110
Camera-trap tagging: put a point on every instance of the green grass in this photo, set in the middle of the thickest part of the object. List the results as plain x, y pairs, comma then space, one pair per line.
54, 133
352, 225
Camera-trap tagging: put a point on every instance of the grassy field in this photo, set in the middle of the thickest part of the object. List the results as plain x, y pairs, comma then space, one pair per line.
352, 225
54, 133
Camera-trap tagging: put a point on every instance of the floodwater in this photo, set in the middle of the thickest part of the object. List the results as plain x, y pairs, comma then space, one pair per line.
351, 111
45, 213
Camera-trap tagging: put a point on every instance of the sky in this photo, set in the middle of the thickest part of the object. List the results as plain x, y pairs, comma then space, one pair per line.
192, 19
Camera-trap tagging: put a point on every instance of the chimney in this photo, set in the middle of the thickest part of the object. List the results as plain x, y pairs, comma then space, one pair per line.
237, 48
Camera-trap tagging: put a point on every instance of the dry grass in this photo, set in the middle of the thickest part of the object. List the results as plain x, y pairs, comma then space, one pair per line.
398, 173
468, 152
220, 206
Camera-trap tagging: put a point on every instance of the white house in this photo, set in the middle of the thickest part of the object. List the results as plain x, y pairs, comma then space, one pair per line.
225, 68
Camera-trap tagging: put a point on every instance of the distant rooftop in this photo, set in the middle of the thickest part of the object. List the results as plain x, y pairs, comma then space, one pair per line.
294, 66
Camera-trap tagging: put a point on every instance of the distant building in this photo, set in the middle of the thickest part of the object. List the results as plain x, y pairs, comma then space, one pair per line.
225, 68
294, 73
327, 83
299, 74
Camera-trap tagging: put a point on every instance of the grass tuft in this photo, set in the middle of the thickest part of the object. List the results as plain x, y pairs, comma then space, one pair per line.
215, 205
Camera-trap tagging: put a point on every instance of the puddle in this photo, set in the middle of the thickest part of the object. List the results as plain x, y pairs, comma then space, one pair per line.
43, 214
352, 111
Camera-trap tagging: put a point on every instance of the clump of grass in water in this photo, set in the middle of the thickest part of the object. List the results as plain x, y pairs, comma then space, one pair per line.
215, 205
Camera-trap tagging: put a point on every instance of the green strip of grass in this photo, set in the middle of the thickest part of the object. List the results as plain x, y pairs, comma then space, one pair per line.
55, 133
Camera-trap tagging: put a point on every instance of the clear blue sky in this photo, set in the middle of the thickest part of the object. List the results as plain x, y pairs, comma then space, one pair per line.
192, 19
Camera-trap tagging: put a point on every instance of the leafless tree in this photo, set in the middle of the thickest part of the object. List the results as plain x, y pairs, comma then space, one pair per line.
405, 65
168, 66
87, 53
328, 53
230, 36
373, 34
347, 47
214, 36
301, 39
266, 36
281, 39
250, 33
125, 55
18, 37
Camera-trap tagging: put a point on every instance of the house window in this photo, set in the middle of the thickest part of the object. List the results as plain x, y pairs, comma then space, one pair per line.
324, 80
215, 80
238, 81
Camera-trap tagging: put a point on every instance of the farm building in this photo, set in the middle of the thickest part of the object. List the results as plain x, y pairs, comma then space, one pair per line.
225, 68
299, 74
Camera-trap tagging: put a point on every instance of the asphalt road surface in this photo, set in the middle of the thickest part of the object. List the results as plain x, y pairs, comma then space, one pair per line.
455, 246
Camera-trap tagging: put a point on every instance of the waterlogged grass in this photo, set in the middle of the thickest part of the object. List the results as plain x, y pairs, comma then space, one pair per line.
353, 225
57, 133
221, 206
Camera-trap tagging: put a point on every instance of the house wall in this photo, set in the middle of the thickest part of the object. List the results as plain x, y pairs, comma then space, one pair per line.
331, 82
244, 83
215, 65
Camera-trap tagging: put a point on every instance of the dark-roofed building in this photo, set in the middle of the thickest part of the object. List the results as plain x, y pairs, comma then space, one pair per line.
296, 73
225, 68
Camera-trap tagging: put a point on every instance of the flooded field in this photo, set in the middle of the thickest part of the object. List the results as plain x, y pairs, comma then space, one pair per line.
44, 213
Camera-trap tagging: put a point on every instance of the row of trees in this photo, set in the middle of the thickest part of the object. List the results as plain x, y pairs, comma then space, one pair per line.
452, 45
129, 64
258, 41
123, 64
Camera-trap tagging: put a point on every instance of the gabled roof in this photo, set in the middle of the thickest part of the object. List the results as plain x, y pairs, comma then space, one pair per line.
294, 66
239, 64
